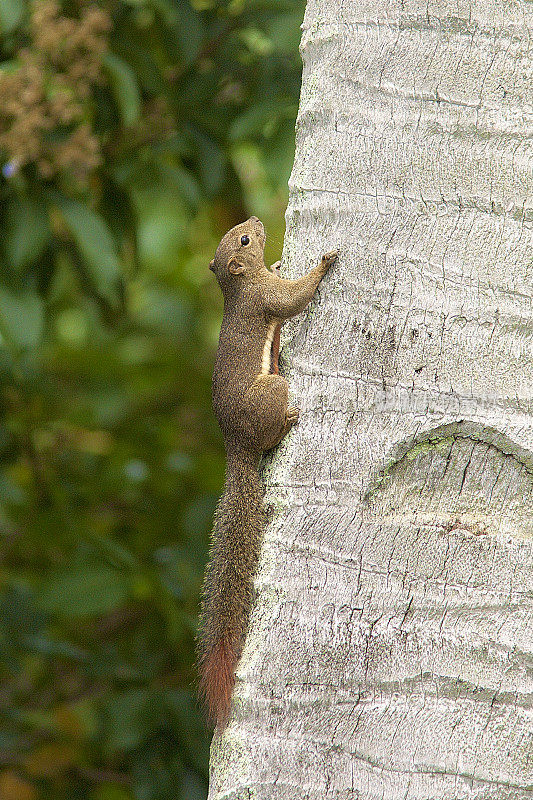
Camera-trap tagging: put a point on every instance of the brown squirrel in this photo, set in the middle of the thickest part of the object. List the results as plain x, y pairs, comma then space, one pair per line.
250, 400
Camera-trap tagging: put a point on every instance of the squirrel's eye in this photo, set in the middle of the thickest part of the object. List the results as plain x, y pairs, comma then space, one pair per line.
245, 240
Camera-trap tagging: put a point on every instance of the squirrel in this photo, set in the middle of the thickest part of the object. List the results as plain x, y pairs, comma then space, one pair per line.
250, 401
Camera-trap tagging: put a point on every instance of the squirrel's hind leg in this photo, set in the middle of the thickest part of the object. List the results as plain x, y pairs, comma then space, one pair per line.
270, 415
291, 418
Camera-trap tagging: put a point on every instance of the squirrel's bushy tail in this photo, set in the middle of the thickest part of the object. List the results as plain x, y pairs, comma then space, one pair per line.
228, 587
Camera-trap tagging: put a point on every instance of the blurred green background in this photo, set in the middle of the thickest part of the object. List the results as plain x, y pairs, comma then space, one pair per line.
133, 134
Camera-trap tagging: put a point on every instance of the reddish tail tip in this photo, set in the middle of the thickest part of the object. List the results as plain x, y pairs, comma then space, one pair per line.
216, 682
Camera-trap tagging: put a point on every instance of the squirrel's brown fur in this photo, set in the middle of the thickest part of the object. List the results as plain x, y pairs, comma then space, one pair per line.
250, 401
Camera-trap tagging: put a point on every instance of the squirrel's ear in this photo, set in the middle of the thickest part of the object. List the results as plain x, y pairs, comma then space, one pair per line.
236, 267
212, 265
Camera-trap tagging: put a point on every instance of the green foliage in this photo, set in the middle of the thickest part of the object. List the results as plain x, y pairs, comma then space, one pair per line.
132, 136
27, 232
125, 89
11, 13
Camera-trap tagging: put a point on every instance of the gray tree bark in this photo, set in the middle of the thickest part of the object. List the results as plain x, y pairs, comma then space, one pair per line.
390, 651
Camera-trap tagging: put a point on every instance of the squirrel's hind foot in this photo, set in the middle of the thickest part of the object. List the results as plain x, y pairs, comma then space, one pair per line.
293, 415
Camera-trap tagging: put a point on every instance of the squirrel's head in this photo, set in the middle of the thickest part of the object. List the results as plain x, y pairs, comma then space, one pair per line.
240, 252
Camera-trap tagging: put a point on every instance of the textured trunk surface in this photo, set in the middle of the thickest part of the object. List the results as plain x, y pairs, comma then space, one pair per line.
390, 652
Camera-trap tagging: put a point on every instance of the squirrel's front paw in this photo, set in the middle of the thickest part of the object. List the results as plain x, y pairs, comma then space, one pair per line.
276, 268
329, 258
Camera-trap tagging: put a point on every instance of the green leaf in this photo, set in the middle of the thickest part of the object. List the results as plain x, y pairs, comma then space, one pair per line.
143, 62
11, 13
84, 591
21, 318
257, 42
184, 180
252, 122
189, 31
95, 243
186, 25
27, 232
125, 88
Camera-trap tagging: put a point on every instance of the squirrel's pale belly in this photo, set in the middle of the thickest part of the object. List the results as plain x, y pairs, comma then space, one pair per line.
267, 350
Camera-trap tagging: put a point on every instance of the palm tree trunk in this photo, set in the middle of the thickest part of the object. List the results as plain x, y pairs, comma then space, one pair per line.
390, 650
